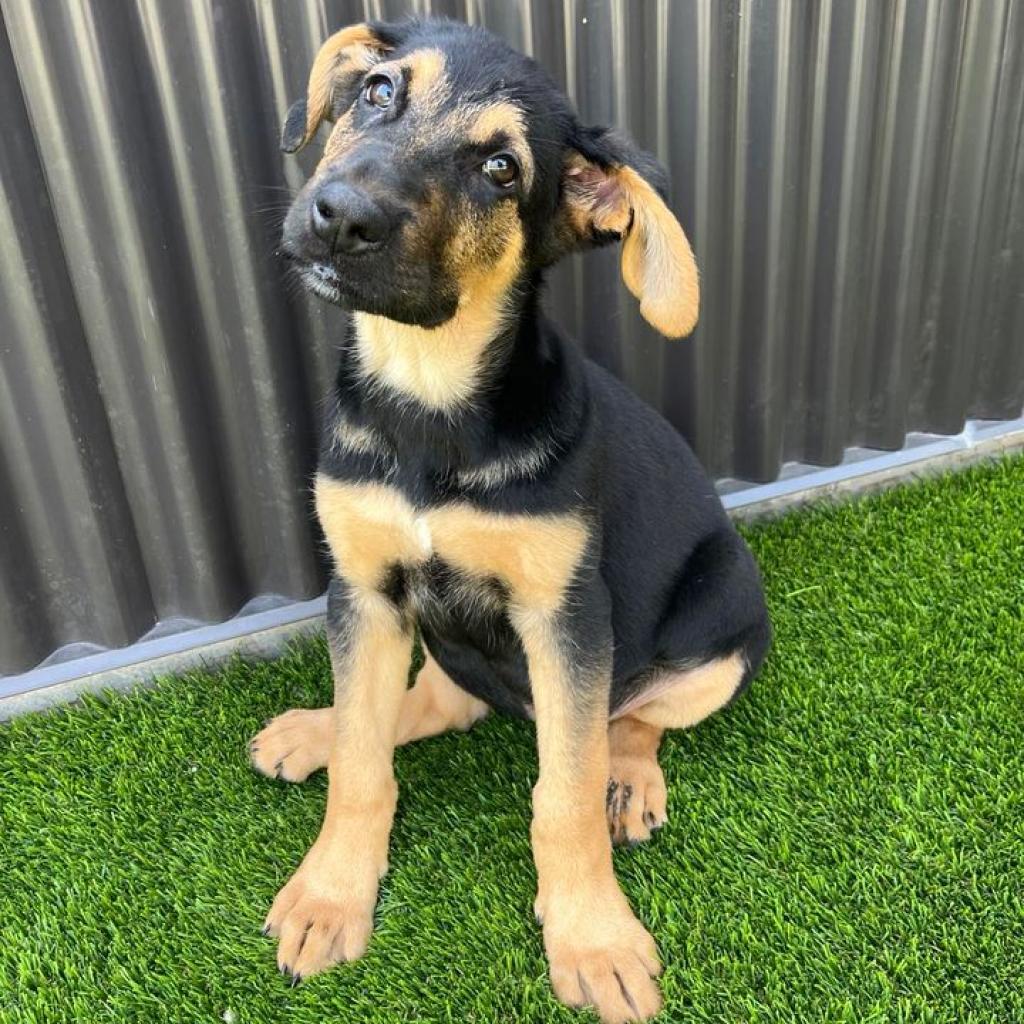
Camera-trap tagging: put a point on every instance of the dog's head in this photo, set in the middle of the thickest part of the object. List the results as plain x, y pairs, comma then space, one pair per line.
456, 170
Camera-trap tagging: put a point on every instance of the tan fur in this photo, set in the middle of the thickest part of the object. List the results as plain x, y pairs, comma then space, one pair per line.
593, 199
435, 704
293, 745
636, 798
428, 95
498, 118
356, 48
440, 366
657, 262
324, 913
484, 251
428, 84
352, 47
534, 556
297, 743
504, 118
597, 950
368, 526
692, 696
658, 266
349, 437
573, 753
498, 472
428, 91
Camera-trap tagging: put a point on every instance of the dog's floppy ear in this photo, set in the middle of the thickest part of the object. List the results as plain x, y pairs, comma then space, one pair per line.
613, 191
353, 49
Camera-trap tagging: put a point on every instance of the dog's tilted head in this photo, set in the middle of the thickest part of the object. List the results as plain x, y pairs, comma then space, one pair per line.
455, 170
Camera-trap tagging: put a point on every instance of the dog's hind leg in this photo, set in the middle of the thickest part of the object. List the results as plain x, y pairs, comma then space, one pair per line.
637, 797
295, 744
435, 704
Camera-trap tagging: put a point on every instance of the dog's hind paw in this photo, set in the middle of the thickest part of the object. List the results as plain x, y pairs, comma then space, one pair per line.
636, 800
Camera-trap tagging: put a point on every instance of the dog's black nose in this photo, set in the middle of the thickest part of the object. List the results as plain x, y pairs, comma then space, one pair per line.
347, 219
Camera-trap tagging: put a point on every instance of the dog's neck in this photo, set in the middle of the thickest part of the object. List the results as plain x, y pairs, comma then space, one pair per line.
495, 381
442, 368
507, 387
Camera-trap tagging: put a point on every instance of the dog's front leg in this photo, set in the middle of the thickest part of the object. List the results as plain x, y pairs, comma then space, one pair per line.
598, 951
325, 912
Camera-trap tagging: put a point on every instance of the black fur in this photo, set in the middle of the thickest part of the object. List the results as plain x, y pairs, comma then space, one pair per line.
667, 583
294, 129
683, 586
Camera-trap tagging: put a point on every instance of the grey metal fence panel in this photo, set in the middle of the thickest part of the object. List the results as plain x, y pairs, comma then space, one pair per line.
851, 175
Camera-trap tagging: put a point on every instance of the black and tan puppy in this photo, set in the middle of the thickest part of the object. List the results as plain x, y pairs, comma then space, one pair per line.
555, 541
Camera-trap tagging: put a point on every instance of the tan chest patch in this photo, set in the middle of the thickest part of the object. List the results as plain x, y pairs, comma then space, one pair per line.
370, 527
534, 556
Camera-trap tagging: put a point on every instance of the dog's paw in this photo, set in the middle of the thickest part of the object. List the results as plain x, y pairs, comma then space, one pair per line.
637, 799
293, 745
323, 915
611, 967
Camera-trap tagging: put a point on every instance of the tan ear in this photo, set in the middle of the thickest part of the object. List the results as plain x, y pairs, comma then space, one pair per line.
657, 262
355, 48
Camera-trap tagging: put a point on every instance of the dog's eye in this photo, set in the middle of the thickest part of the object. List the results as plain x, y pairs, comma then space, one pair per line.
501, 169
380, 91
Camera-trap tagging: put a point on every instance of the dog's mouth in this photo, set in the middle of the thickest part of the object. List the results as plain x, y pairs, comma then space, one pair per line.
318, 277
352, 290
322, 280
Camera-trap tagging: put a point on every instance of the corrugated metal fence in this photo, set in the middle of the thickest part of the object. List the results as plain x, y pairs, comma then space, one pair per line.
851, 175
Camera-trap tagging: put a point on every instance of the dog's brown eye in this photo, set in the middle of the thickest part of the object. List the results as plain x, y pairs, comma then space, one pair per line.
380, 91
501, 169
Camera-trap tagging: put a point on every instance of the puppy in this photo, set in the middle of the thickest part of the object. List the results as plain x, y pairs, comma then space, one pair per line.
555, 542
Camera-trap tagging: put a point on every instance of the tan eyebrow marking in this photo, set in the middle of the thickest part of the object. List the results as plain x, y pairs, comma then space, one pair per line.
428, 84
504, 118
498, 117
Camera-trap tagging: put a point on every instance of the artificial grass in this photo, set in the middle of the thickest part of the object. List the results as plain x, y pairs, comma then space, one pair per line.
845, 843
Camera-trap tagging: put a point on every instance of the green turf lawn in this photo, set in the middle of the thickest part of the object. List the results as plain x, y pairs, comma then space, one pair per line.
846, 843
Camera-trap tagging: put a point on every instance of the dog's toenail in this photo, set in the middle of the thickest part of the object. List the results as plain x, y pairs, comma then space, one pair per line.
296, 978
